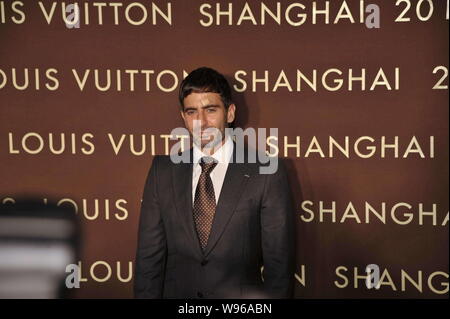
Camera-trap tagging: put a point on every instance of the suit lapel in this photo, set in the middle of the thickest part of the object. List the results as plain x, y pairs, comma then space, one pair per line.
233, 187
182, 183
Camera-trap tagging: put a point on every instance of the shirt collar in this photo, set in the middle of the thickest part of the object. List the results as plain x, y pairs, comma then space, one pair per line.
222, 155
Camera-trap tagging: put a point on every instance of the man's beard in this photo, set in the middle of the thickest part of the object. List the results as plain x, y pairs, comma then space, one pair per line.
213, 141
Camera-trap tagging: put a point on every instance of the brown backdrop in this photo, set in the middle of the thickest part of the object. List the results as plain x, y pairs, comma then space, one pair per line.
330, 252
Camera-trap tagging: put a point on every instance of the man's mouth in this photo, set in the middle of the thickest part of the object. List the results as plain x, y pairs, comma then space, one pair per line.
206, 135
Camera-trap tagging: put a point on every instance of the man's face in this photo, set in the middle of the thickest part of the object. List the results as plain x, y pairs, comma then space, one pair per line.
207, 108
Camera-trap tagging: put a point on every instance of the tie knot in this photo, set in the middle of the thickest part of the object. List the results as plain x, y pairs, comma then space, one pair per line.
207, 164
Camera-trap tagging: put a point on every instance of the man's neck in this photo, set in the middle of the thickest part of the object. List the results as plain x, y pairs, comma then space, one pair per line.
222, 152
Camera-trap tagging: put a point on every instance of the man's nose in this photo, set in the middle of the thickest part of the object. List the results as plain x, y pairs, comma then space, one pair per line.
201, 116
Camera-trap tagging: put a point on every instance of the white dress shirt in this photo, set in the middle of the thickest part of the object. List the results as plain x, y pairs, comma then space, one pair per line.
223, 156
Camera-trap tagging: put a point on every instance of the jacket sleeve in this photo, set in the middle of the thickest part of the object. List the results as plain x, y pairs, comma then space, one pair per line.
151, 247
278, 235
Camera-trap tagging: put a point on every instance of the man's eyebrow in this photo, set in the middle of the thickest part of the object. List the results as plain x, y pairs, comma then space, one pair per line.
188, 108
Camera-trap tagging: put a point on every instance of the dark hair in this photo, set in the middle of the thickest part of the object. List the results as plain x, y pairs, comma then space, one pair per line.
203, 80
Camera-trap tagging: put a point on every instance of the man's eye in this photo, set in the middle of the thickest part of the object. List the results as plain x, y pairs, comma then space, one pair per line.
189, 112
211, 110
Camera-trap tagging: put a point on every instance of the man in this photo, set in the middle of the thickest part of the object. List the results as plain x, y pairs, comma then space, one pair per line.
214, 227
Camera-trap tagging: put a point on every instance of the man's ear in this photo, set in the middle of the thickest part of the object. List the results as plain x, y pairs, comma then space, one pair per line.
231, 113
182, 114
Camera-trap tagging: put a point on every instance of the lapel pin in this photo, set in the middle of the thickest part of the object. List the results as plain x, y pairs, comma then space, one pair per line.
246, 175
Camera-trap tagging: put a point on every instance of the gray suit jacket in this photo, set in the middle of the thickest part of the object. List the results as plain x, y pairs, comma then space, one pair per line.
253, 227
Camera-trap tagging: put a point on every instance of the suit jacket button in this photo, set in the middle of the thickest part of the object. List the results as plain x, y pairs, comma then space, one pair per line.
199, 294
204, 262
